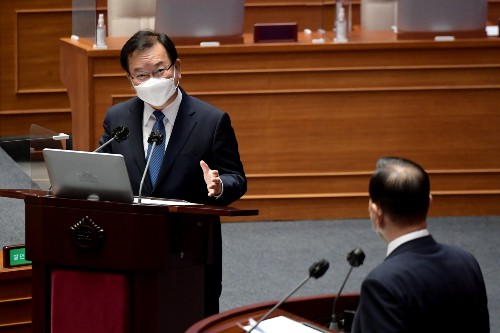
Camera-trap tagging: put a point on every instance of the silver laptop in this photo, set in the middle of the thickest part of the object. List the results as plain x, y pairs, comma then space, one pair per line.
195, 18
86, 175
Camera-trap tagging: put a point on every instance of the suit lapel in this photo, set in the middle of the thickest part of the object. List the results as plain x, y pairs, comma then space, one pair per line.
136, 112
185, 123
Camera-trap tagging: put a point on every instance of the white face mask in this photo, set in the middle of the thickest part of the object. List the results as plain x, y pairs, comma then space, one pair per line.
156, 92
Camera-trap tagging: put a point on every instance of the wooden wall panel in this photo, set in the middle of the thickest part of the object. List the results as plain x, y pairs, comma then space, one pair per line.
335, 183
349, 124
31, 91
15, 298
353, 206
120, 87
303, 79
38, 56
381, 52
349, 130
493, 11
345, 195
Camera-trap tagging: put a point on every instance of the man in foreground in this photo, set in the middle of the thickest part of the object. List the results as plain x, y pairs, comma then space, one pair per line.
422, 286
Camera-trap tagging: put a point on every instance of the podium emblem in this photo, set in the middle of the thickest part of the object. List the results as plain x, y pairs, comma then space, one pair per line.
87, 233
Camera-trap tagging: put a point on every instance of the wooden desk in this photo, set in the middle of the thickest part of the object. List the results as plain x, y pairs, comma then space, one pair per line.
316, 310
15, 298
311, 119
167, 249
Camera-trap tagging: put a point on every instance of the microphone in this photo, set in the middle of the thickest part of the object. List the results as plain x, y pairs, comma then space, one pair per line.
119, 134
155, 139
355, 259
316, 271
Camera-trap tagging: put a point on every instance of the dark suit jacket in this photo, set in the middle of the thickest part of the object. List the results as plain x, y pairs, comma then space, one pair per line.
424, 286
200, 132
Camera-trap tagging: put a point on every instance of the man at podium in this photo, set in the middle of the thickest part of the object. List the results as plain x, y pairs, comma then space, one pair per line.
198, 158
422, 286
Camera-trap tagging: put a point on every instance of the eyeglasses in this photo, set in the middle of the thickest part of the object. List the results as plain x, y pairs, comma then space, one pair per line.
143, 76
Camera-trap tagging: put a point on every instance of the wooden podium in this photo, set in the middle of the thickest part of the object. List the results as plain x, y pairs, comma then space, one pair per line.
150, 257
315, 311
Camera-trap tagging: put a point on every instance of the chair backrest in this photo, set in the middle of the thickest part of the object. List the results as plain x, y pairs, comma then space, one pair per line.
200, 18
126, 17
442, 15
378, 14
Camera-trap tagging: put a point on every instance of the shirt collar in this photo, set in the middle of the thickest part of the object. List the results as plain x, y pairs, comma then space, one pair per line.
170, 111
406, 238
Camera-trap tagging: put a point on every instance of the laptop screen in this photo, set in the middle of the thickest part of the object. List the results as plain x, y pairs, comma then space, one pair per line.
88, 175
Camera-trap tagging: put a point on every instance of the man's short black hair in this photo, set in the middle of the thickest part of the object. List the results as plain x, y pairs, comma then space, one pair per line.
145, 39
401, 188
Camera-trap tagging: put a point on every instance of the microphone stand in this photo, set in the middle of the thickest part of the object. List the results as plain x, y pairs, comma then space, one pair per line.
278, 304
119, 134
333, 324
145, 172
104, 145
355, 259
316, 271
155, 138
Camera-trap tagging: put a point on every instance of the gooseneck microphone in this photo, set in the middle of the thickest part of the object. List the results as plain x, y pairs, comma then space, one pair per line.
355, 259
316, 271
154, 139
119, 134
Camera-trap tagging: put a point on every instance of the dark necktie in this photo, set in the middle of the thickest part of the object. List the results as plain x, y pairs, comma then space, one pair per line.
159, 151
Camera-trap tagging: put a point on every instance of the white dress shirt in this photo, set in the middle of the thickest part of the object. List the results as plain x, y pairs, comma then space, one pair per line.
406, 238
148, 120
